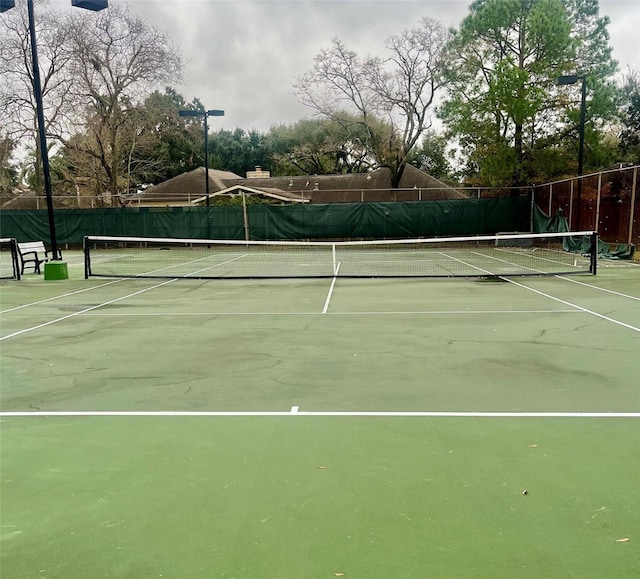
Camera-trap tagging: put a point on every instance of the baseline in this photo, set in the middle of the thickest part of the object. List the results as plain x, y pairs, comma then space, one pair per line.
399, 414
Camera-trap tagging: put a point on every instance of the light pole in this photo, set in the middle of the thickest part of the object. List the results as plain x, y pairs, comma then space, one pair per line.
52, 270
205, 114
573, 79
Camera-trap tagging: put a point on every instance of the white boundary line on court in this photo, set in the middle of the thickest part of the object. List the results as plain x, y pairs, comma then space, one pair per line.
295, 412
84, 311
602, 289
566, 303
333, 284
363, 313
60, 296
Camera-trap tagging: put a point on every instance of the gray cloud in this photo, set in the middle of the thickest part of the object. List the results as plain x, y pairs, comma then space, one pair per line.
244, 55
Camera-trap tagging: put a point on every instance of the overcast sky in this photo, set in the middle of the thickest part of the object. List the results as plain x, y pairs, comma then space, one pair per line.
244, 55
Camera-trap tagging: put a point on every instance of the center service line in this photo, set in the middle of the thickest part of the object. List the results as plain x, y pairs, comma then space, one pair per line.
333, 283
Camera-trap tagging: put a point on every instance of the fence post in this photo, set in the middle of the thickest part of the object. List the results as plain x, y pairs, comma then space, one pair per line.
550, 199
245, 217
570, 203
597, 223
532, 210
633, 204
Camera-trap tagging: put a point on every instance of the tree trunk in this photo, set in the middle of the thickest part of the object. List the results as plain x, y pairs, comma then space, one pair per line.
396, 173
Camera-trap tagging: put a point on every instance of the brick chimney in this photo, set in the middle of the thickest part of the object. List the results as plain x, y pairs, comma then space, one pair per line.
258, 173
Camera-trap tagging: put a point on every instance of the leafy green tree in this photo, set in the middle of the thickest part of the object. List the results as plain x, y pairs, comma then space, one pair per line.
164, 144
503, 64
8, 172
237, 151
156, 144
630, 134
319, 147
432, 156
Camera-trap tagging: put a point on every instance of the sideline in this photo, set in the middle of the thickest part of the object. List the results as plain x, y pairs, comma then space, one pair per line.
60, 296
566, 303
18, 333
602, 289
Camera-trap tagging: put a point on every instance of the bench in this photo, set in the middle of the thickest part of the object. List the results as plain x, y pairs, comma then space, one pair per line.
33, 253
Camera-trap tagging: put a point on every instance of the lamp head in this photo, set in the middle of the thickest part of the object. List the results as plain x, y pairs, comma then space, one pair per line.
568, 79
7, 5
94, 5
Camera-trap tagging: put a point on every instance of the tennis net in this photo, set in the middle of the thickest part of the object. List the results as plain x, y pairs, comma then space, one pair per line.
9, 264
479, 256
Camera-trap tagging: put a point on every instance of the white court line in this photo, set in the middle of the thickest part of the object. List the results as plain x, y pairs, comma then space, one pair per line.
602, 289
518, 266
363, 313
333, 283
60, 296
566, 303
84, 311
398, 414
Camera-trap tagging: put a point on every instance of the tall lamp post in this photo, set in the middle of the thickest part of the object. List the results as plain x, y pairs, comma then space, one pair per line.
54, 269
573, 79
205, 114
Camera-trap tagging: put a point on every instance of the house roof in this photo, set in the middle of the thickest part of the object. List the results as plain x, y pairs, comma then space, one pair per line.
189, 187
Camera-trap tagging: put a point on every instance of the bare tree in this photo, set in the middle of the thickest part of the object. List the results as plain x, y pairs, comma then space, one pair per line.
117, 60
391, 97
17, 103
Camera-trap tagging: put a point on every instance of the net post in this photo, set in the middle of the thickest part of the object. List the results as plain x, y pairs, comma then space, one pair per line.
594, 253
85, 250
14, 257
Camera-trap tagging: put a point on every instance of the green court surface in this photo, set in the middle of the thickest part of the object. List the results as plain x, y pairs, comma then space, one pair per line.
357, 428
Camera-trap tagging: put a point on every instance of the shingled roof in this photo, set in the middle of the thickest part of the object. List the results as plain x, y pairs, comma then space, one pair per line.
415, 185
185, 188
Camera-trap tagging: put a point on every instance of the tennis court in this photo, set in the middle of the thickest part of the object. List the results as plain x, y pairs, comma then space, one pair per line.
321, 427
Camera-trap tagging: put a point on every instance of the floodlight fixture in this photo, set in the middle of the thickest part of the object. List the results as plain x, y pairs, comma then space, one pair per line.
7, 5
568, 79
94, 5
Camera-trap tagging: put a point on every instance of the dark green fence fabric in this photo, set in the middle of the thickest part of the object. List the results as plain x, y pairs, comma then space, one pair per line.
330, 221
